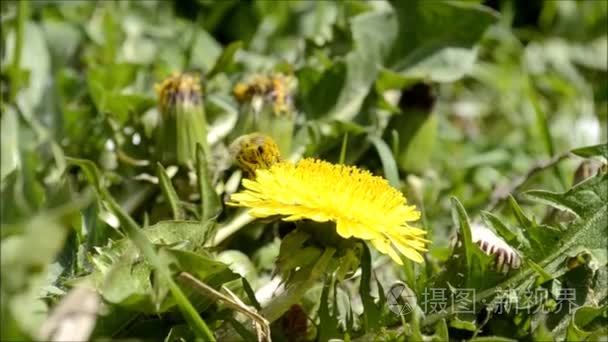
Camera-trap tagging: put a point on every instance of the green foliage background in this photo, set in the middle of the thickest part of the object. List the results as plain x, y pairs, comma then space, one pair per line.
482, 112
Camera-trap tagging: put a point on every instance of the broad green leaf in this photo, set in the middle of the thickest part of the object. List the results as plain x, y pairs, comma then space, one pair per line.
319, 91
204, 50
145, 247
580, 319
417, 136
582, 200
63, 38
239, 263
373, 35
437, 39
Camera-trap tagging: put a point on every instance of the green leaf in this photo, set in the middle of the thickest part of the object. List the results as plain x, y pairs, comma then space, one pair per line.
541, 237
293, 253
388, 161
302, 281
204, 49
343, 149
544, 276
225, 59
210, 202
35, 59
580, 236
469, 266
146, 248
250, 294
441, 332
10, 142
243, 332
580, 319
373, 36
592, 151
583, 200
417, 136
169, 192
514, 237
371, 312
106, 84
462, 219
492, 339
319, 91
438, 38
463, 325
328, 323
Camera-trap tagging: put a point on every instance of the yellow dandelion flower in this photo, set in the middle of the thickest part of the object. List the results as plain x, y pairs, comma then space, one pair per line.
362, 205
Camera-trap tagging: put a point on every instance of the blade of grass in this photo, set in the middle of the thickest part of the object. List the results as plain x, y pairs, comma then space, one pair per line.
225, 58
543, 126
251, 294
462, 219
343, 148
146, 248
371, 312
388, 161
169, 192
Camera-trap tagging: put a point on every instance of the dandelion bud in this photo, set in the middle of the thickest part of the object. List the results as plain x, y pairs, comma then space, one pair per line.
255, 151
266, 106
182, 122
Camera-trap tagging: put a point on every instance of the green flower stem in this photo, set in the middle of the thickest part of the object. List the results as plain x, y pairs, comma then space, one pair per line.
223, 232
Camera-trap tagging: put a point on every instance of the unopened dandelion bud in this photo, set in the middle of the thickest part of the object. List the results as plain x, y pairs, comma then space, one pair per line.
182, 121
267, 107
255, 151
